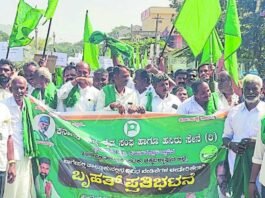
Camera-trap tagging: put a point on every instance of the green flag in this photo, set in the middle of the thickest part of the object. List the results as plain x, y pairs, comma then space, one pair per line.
232, 39
196, 22
91, 51
27, 19
145, 59
52, 4
212, 50
137, 58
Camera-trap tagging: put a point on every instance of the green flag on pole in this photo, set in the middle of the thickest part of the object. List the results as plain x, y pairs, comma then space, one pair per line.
52, 4
137, 58
232, 39
91, 51
196, 22
212, 50
27, 19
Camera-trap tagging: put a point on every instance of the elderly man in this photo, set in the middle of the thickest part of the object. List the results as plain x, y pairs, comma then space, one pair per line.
6, 149
241, 127
117, 96
6, 72
43, 126
29, 70
160, 100
226, 94
22, 186
202, 103
79, 95
100, 78
45, 90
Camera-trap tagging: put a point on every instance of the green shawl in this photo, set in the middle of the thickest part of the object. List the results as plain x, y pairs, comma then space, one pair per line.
72, 97
110, 94
242, 169
263, 130
148, 106
50, 95
212, 105
30, 146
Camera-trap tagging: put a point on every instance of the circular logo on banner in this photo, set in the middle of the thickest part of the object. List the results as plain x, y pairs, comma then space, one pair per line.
208, 153
44, 126
131, 128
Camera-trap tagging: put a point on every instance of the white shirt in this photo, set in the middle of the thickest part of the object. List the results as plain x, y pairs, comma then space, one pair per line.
166, 105
141, 97
87, 101
5, 132
259, 157
30, 89
242, 123
128, 97
4, 94
17, 128
190, 106
223, 103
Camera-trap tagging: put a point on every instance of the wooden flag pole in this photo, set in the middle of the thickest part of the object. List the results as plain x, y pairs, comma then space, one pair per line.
162, 53
47, 38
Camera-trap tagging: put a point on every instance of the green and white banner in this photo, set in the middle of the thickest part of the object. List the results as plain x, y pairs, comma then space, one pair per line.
152, 155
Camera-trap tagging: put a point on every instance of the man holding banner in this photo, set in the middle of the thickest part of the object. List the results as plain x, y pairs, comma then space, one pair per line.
241, 128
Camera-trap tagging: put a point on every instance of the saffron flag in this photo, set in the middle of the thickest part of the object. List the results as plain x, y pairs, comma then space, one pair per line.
232, 40
196, 22
90, 50
27, 19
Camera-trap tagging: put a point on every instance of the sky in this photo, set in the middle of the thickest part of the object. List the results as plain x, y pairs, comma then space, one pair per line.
68, 21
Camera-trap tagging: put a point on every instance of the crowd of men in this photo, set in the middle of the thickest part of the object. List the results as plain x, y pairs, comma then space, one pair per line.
118, 89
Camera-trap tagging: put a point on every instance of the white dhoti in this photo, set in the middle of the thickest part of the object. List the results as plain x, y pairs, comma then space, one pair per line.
23, 186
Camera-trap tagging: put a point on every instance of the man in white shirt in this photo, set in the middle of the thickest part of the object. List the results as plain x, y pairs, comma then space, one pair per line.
142, 84
203, 102
160, 100
100, 78
241, 127
6, 72
79, 95
226, 94
29, 70
6, 149
117, 96
22, 186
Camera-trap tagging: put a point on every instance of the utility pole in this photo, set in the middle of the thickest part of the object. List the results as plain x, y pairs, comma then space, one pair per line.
158, 20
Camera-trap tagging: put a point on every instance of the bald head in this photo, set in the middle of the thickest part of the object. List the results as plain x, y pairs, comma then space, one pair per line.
19, 88
82, 69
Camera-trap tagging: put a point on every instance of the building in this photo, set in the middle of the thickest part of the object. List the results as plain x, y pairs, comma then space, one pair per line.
165, 17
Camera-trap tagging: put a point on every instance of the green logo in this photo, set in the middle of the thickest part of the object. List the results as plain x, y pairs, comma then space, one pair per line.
208, 153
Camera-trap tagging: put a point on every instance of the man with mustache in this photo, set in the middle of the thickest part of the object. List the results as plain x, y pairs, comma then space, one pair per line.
226, 94
203, 102
117, 96
181, 77
44, 123
29, 70
17, 105
241, 128
44, 187
78, 95
160, 100
69, 73
100, 78
6, 72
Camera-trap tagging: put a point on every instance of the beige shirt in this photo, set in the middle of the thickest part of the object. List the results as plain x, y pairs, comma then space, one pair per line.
5, 132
